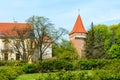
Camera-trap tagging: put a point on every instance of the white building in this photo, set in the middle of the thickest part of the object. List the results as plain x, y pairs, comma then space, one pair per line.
12, 47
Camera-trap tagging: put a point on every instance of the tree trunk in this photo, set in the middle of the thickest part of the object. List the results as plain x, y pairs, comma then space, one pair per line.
40, 57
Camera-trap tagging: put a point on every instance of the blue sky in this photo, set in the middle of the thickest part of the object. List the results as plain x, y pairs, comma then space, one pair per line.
62, 13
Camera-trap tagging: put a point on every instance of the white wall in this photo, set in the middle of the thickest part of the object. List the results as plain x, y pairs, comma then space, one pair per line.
0, 48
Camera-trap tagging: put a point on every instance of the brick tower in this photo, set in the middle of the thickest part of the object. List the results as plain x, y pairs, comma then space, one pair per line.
78, 35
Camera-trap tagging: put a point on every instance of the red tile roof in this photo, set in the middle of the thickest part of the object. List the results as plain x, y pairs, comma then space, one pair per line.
78, 27
12, 29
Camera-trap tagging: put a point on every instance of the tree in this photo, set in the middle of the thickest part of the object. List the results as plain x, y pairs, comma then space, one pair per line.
95, 41
45, 33
101, 32
89, 47
114, 44
114, 51
65, 50
103, 41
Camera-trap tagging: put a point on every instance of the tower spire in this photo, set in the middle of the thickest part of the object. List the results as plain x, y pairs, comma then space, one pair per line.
78, 27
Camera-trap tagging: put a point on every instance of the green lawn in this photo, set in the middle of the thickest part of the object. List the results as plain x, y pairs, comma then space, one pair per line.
53, 75
34, 76
29, 76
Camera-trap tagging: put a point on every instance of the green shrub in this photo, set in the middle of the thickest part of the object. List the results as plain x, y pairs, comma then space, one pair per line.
9, 73
20, 63
113, 65
90, 64
30, 68
55, 65
12, 63
107, 75
6, 63
63, 65
2, 63
67, 75
3, 77
81, 75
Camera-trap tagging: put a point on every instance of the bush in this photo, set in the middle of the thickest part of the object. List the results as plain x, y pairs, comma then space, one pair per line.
81, 75
12, 63
30, 68
69, 75
9, 73
3, 77
55, 65
113, 65
20, 63
6, 63
108, 75
90, 64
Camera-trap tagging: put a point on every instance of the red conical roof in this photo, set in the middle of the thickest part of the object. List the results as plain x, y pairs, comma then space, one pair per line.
78, 27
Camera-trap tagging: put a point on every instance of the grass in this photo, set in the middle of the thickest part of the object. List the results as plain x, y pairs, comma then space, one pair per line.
33, 76
36, 76
28, 76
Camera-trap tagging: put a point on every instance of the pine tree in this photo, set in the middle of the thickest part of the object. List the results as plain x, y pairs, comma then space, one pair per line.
90, 42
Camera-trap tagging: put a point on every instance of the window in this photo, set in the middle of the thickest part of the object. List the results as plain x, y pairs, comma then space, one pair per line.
77, 38
5, 56
17, 56
80, 37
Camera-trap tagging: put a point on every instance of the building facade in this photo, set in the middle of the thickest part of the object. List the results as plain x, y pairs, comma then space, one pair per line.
16, 40
78, 35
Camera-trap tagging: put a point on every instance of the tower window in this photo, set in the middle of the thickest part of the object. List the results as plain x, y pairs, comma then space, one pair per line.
77, 38
80, 37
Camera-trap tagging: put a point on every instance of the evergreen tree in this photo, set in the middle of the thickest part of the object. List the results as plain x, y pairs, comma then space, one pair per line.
95, 41
90, 42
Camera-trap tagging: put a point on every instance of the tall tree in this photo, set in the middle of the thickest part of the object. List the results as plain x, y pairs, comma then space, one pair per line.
90, 42
103, 41
95, 41
114, 44
45, 33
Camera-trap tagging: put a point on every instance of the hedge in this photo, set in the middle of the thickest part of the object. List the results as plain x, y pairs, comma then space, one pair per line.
10, 73
12, 63
105, 68
82, 75
65, 65
55, 65
90, 64
30, 68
